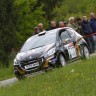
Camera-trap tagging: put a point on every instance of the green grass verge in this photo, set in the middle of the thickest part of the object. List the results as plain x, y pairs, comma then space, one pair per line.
78, 79
6, 73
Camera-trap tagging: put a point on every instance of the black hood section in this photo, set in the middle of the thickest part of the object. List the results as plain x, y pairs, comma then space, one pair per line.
34, 53
29, 57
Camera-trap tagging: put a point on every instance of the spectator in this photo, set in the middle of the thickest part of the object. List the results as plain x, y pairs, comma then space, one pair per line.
40, 27
53, 25
93, 25
93, 22
79, 26
61, 24
65, 24
36, 31
72, 23
86, 28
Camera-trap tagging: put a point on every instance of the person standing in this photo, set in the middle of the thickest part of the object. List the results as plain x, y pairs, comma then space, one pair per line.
72, 23
36, 31
93, 22
86, 29
79, 26
41, 27
53, 25
93, 25
65, 24
61, 24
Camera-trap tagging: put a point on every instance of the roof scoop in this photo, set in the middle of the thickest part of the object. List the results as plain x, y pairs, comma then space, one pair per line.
42, 33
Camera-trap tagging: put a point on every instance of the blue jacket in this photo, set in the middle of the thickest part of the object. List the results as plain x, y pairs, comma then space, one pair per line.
93, 25
86, 28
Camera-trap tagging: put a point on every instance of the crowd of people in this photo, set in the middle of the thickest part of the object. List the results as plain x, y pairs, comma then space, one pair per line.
84, 26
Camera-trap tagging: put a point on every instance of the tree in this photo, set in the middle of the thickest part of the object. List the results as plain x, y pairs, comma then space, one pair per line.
27, 19
8, 37
70, 8
48, 7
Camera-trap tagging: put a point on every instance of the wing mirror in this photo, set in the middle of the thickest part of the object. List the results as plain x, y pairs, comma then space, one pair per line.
66, 40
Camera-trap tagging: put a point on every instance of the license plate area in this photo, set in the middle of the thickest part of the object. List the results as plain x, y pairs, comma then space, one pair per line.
32, 65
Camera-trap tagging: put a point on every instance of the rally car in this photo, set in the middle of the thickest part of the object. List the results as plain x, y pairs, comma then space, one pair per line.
47, 49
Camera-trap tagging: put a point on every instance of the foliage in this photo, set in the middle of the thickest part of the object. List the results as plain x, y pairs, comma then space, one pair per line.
74, 8
48, 7
27, 19
8, 37
6, 73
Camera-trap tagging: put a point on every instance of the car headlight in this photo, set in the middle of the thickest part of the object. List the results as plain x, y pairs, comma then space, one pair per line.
50, 52
16, 62
19, 55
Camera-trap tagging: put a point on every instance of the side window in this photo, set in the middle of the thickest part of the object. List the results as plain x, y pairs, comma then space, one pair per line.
71, 32
64, 36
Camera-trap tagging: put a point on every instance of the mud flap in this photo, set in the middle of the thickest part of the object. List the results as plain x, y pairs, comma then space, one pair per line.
20, 71
77, 50
46, 65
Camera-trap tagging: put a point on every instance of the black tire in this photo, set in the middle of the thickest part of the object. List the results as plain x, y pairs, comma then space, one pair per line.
19, 76
85, 52
61, 60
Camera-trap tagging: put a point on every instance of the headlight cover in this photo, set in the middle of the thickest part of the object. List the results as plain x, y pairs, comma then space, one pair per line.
16, 62
50, 52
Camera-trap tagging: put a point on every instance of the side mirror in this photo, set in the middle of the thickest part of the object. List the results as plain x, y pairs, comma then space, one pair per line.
66, 40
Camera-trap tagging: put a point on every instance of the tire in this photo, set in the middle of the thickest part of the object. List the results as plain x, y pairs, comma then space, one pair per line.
61, 60
86, 53
19, 76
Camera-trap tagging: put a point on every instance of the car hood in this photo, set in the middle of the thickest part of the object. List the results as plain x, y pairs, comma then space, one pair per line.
34, 53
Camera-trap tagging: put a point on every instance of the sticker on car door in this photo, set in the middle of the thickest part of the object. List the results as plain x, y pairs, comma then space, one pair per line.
71, 50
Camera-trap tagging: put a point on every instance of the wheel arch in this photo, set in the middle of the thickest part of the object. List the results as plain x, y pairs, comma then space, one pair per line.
63, 55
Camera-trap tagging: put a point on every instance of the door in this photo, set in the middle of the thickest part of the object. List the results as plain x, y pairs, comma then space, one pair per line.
68, 44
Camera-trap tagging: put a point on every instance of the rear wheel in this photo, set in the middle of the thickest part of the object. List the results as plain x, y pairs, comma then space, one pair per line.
61, 60
85, 52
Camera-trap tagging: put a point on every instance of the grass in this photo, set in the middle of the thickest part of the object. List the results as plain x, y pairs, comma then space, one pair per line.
6, 73
78, 79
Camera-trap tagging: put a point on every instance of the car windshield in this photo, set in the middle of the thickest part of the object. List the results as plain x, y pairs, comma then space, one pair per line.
39, 41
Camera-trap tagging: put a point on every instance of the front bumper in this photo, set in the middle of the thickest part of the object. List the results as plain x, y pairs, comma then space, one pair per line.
45, 63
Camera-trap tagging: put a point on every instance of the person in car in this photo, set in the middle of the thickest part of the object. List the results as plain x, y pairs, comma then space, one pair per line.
72, 23
41, 27
86, 28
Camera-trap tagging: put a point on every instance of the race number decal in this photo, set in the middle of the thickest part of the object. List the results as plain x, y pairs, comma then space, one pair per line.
71, 50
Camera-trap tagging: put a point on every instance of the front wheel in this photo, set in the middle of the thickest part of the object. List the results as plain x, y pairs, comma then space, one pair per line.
19, 76
61, 60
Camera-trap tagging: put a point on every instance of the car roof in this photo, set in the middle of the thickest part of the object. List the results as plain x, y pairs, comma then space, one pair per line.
53, 30
57, 29
50, 31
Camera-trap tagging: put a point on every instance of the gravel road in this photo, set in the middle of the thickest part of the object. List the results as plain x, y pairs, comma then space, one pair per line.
13, 80
8, 82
